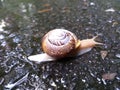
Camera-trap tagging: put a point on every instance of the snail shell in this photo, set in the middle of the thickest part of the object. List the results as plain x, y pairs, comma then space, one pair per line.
59, 43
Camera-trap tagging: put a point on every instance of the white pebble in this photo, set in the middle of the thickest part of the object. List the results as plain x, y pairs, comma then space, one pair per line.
110, 10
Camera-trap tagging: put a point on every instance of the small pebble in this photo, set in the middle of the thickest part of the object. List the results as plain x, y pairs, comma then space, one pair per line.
118, 55
110, 10
1, 37
92, 3
109, 76
103, 54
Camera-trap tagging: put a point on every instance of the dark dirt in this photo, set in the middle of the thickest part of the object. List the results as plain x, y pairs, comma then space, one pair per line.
23, 24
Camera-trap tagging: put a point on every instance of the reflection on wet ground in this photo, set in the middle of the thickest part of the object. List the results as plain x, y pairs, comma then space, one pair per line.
22, 25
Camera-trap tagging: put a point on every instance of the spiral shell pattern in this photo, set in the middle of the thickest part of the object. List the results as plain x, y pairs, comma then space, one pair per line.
59, 42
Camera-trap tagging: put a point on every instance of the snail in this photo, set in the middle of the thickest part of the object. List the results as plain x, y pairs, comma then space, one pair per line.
61, 43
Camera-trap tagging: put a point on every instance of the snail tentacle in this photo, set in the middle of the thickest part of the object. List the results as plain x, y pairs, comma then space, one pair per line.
85, 46
86, 43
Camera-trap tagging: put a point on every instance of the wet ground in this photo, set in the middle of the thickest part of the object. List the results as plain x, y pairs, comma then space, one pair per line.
24, 22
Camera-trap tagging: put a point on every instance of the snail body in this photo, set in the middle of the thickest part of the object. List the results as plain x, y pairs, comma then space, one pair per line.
60, 43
